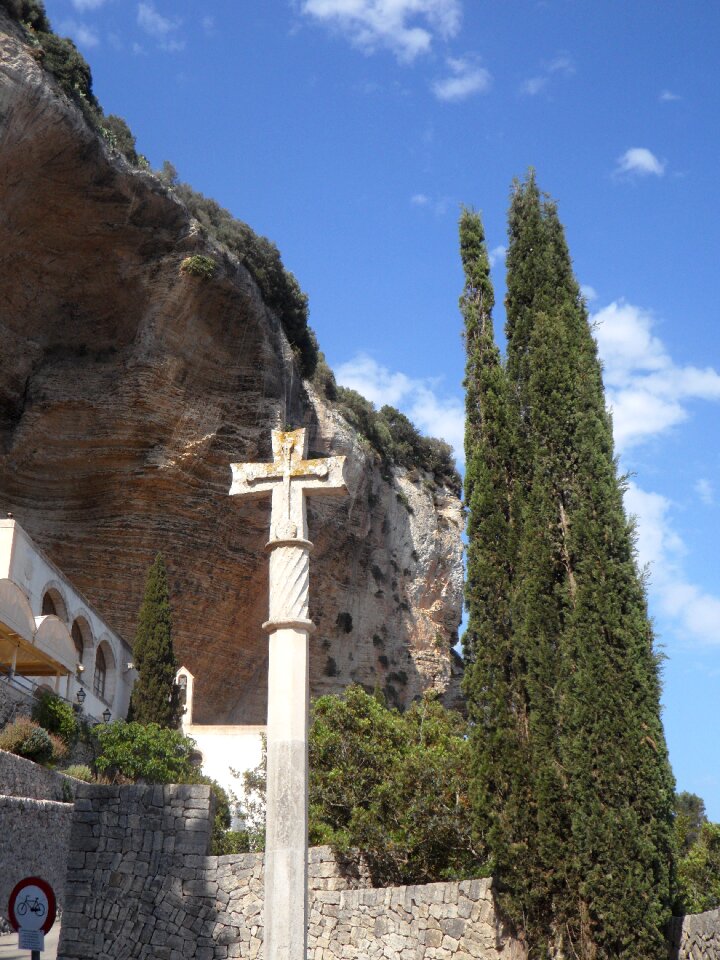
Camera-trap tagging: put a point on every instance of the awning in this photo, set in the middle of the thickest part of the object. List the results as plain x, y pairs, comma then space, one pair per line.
36, 647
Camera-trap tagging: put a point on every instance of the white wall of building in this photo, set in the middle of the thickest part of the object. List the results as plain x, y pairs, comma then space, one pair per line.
22, 562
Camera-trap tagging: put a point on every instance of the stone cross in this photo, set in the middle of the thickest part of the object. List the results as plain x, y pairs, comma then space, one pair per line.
289, 478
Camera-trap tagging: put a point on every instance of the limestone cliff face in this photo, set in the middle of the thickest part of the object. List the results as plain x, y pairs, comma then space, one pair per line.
127, 388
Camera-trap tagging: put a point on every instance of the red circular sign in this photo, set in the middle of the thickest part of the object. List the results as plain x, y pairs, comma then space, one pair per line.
32, 905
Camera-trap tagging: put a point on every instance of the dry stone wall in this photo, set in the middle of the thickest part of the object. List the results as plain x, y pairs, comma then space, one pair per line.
140, 884
35, 820
23, 778
13, 702
34, 841
696, 937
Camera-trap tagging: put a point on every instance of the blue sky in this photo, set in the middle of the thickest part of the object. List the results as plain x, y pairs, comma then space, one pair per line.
350, 131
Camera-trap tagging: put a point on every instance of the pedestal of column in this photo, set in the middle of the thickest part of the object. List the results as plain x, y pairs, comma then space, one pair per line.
286, 842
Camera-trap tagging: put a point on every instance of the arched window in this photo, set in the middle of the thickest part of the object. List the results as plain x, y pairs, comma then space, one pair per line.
100, 676
48, 607
78, 641
53, 605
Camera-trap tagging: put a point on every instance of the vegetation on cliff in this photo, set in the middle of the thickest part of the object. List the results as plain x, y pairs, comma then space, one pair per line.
583, 851
155, 695
394, 437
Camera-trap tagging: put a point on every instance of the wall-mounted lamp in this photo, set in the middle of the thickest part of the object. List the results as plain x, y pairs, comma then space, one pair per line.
80, 696
79, 667
106, 715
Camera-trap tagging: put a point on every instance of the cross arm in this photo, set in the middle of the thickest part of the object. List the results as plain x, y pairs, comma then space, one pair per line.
326, 476
253, 479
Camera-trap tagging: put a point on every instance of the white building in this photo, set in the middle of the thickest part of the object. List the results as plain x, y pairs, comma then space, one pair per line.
51, 636
227, 750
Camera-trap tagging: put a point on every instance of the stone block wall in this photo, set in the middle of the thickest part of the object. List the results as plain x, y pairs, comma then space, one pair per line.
696, 937
140, 884
23, 778
135, 885
34, 841
35, 818
13, 702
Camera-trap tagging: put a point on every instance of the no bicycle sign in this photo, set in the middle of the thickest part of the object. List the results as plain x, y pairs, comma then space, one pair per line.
31, 911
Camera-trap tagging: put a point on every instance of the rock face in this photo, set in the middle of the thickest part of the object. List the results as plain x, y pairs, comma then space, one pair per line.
127, 387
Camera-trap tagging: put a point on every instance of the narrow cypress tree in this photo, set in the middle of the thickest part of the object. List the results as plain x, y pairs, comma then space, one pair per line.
601, 784
155, 697
494, 673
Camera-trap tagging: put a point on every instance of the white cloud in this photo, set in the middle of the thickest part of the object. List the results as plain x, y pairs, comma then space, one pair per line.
647, 391
434, 414
83, 35
83, 5
641, 162
438, 205
534, 85
667, 96
497, 255
696, 613
590, 293
704, 489
561, 65
208, 25
466, 78
161, 28
392, 24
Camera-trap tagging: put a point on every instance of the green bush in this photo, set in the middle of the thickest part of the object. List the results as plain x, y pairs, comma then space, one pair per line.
72, 71
198, 266
29, 12
119, 135
698, 873
397, 440
145, 753
25, 738
57, 716
231, 841
60, 749
79, 771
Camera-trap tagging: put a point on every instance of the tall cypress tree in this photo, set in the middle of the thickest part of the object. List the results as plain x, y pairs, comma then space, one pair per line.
494, 680
595, 841
155, 697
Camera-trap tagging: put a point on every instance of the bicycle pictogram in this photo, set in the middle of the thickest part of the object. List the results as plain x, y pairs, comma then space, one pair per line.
32, 904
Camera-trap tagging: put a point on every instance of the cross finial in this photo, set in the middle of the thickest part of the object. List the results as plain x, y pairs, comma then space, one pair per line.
288, 478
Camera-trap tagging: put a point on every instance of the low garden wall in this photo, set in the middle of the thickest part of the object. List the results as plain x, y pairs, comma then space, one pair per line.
141, 884
696, 937
35, 816
34, 841
14, 702
23, 778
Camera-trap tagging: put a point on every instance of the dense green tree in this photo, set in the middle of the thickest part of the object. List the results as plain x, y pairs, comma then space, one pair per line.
495, 674
155, 696
689, 819
583, 852
393, 785
698, 872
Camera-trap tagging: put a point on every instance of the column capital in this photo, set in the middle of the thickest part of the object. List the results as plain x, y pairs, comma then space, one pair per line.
307, 626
